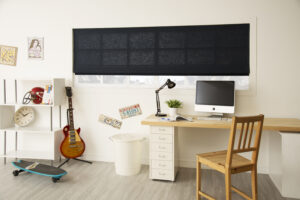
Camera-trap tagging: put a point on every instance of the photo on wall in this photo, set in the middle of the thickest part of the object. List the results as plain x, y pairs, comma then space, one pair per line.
8, 55
36, 48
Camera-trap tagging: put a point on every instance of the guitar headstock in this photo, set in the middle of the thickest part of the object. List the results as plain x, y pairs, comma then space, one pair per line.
69, 91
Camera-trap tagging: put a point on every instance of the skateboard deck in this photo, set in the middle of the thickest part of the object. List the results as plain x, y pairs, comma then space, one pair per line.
40, 169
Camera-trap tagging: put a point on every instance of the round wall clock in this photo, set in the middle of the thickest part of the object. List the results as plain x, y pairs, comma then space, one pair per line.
24, 116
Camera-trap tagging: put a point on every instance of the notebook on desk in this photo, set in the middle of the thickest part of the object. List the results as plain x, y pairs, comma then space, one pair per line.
177, 118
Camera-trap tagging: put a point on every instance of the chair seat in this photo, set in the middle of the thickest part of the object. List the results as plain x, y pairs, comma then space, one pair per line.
217, 161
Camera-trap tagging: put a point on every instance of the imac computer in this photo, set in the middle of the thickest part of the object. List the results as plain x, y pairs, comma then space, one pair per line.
215, 97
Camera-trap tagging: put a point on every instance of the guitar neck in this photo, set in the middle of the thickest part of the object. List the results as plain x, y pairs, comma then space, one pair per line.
71, 119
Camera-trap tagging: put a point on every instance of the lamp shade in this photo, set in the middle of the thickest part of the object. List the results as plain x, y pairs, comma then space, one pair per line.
170, 84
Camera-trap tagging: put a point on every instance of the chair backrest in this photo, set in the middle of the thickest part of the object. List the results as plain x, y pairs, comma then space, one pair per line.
244, 143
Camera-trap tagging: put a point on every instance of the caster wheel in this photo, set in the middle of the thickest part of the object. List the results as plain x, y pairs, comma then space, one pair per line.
15, 172
54, 180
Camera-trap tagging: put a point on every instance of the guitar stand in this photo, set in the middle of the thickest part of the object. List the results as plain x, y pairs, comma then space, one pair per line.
67, 160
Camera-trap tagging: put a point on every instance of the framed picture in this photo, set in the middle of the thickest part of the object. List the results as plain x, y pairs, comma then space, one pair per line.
8, 55
36, 48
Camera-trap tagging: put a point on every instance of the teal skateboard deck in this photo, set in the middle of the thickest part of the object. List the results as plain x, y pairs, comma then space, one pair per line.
36, 168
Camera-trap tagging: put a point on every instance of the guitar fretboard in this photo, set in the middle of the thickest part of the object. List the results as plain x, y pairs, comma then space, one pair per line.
71, 121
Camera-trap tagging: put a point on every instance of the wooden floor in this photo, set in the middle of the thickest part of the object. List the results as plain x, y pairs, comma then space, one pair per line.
99, 182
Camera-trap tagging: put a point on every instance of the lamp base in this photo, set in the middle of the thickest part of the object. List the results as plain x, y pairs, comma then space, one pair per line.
160, 115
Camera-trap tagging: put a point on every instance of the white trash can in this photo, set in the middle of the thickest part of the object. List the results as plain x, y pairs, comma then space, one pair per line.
128, 152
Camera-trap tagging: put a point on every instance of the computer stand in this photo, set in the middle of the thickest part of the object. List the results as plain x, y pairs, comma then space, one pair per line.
217, 116
67, 160
214, 116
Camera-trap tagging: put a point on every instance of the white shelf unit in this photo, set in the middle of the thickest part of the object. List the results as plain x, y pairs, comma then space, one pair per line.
41, 138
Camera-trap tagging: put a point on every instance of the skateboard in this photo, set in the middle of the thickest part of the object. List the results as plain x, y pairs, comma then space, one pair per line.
36, 168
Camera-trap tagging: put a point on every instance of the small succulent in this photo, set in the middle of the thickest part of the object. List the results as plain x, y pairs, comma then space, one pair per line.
174, 103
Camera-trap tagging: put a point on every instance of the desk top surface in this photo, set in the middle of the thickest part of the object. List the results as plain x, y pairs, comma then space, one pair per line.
275, 124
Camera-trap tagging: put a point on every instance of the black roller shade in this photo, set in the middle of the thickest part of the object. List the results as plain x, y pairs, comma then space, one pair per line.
177, 50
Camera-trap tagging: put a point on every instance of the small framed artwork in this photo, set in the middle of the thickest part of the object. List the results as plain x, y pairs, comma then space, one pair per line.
8, 55
36, 48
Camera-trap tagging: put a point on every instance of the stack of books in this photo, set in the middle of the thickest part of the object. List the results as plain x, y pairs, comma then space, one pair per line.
47, 97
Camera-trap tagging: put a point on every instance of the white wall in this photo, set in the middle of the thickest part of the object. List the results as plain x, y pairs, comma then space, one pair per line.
278, 50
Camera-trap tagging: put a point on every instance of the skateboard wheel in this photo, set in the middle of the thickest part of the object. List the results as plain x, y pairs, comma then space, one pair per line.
54, 180
15, 172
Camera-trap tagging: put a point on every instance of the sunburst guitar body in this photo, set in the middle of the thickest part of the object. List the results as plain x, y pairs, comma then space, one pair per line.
72, 146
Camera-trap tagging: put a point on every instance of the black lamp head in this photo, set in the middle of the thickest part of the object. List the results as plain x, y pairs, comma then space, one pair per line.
170, 84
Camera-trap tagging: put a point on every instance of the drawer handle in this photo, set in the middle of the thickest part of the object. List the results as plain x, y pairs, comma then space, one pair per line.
161, 156
161, 147
161, 138
162, 129
161, 165
162, 174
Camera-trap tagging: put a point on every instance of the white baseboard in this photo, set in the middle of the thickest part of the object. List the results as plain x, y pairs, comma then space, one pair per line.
145, 161
97, 157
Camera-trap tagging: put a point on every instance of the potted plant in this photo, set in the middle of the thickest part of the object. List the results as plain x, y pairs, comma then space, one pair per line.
173, 105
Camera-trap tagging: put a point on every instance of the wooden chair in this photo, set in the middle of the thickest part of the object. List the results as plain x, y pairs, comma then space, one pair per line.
229, 161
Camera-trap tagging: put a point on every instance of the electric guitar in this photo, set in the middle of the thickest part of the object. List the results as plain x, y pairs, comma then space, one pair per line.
72, 146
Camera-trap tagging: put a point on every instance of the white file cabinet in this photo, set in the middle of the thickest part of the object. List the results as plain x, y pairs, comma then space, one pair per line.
163, 151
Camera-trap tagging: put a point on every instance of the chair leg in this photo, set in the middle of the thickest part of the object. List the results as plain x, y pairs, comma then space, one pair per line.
198, 181
254, 182
228, 184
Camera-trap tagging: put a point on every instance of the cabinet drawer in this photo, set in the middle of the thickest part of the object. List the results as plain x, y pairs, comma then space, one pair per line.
162, 129
162, 174
163, 147
161, 155
161, 164
161, 138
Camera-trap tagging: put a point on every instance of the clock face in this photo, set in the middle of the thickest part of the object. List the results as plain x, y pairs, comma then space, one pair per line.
24, 116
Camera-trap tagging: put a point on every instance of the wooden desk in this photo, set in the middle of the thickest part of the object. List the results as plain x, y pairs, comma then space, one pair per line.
274, 124
283, 168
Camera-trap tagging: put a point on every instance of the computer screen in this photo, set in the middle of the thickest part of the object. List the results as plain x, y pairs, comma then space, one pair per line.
215, 96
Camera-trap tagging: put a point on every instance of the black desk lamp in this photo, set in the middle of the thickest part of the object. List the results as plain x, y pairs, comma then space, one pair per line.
170, 85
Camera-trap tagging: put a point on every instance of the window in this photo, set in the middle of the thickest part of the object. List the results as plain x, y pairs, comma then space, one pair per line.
246, 85
242, 82
198, 50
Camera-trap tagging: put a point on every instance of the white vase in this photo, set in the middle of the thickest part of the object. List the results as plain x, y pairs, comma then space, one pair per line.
172, 112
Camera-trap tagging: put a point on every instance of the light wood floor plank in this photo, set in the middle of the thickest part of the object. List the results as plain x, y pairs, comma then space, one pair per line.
99, 182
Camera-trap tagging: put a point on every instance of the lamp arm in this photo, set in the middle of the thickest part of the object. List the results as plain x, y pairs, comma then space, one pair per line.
157, 101
168, 82
159, 89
